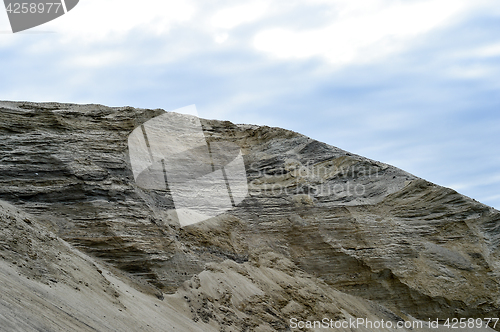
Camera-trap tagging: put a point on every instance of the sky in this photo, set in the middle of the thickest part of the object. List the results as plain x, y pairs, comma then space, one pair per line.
413, 83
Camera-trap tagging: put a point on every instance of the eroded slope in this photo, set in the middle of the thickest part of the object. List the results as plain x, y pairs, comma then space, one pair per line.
360, 226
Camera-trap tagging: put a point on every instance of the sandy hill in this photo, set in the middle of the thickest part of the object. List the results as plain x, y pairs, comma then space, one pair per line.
323, 233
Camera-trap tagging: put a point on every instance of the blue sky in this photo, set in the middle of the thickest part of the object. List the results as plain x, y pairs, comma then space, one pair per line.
412, 83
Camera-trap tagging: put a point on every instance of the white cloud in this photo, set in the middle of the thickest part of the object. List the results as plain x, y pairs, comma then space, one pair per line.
221, 37
97, 20
481, 181
492, 50
4, 21
361, 35
493, 198
101, 59
486, 51
475, 71
231, 17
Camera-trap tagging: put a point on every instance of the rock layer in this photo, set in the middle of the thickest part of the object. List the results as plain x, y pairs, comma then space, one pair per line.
355, 225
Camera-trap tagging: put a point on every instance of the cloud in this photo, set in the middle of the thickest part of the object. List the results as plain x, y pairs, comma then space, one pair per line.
228, 18
486, 51
362, 33
94, 20
491, 179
